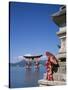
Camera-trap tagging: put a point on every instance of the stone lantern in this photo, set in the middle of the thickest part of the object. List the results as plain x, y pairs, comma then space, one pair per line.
60, 19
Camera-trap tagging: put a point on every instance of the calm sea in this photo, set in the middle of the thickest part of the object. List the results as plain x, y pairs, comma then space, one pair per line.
22, 77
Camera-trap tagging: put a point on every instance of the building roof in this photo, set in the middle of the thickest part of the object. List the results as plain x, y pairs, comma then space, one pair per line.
60, 17
61, 12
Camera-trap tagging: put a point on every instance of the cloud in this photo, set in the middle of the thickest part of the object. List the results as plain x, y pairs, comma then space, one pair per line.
20, 58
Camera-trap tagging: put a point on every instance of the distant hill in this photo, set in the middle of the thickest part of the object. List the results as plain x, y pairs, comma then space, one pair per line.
23, 62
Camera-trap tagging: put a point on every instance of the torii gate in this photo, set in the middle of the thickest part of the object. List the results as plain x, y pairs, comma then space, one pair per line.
33, 57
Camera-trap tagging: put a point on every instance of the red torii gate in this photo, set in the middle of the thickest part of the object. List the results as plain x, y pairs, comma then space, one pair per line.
33, 57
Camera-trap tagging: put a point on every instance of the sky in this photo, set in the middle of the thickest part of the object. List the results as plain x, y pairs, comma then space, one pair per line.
32, 29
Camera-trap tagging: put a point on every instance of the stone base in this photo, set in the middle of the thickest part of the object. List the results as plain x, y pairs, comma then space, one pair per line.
57, 77
50, 83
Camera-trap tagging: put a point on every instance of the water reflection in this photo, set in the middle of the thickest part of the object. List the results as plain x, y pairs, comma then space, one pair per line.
28, 75
36, 74
32, 76
22, 77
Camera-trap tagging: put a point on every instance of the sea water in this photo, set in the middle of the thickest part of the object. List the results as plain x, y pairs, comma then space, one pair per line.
22, 77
